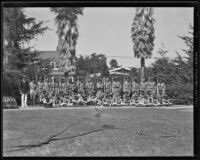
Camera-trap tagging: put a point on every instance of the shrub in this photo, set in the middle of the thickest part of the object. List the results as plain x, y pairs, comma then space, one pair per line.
182, 92
10, 85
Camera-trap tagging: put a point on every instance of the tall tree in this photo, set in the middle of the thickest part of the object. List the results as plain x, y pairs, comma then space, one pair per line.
113, 63
184, 62
18, 30
67, 30
142, 34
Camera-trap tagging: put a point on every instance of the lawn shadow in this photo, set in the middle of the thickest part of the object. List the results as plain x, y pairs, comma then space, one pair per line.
52, 138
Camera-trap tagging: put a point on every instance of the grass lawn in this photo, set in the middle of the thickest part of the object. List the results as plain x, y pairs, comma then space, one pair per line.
118, 132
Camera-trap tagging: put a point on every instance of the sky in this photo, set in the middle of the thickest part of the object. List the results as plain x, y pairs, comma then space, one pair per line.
107, 30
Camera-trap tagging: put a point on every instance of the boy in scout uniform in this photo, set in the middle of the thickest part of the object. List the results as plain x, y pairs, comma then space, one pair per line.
99, 88
115, 90
107, 86
126, 88
160, 89
143, 88
135, 87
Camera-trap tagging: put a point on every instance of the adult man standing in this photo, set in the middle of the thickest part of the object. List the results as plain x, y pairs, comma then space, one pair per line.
24, 89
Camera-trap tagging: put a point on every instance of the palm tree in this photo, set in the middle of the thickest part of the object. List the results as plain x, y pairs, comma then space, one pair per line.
67, 30
142, 34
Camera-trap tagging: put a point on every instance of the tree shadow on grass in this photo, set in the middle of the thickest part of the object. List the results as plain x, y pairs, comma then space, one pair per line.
52, 138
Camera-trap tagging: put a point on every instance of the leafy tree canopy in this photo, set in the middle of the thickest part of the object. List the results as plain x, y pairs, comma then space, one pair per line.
95, 63
113, 63
17, 30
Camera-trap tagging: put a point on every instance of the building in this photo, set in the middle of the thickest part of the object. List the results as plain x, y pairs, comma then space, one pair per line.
120, 71
56, 72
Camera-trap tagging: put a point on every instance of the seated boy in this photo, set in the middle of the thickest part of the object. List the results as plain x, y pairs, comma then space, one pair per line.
156, 101
114, 101
146, 100
105, 101
150, 99
56, 101
47, 101
80, 100
141, 100
63, 101
119, 101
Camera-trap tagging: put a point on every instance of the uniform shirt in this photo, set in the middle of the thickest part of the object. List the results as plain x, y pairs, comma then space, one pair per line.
40, 85
142, 86
49, 86
118, 86
114, 86
161, 88
81, 86
135, 87
126, 86
150, 86
63, 87
91, 85
56, 85
99, 85
45, 86
107, 86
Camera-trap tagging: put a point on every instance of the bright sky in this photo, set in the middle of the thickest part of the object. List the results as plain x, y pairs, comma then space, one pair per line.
108, 30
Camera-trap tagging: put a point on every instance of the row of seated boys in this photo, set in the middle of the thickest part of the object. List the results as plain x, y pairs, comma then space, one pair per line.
53, 100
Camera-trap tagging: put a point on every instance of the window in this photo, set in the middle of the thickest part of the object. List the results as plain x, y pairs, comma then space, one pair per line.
53, 64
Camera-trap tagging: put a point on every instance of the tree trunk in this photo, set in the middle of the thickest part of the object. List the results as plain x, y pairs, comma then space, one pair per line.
142, 69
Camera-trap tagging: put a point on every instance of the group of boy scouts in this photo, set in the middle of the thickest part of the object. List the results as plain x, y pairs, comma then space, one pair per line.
103, 88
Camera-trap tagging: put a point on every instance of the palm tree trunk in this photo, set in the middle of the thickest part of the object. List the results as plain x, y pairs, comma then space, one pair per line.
142, 68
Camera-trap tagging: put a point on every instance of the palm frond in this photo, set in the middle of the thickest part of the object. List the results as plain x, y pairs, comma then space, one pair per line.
67, 30
142, 32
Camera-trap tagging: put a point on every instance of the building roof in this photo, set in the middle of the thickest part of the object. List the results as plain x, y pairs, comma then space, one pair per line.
50, 54
120, 69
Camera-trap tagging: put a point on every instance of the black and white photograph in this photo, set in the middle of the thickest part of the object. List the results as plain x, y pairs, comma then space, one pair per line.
97, 81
